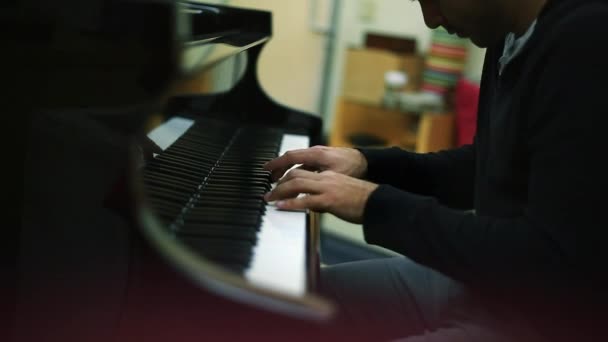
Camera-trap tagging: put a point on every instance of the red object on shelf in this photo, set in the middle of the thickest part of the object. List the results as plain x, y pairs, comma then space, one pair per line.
466, 103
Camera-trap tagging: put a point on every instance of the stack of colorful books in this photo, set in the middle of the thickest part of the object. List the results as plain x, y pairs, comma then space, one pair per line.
445, 62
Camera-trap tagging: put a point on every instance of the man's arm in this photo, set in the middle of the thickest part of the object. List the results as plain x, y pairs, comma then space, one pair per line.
447, 175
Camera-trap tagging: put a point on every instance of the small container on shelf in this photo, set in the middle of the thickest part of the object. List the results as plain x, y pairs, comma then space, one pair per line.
395, 82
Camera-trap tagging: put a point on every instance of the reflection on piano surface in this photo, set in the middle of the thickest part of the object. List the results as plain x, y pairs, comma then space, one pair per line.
157, 251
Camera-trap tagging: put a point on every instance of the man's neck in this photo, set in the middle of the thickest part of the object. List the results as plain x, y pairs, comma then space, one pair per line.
524, 14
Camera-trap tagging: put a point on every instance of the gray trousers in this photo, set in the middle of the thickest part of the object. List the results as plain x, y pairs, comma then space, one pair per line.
396, 299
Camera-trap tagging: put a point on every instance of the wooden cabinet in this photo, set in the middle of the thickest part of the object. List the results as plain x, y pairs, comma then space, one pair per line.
428, 132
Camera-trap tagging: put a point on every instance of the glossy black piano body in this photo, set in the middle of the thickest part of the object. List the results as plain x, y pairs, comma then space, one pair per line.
95, 261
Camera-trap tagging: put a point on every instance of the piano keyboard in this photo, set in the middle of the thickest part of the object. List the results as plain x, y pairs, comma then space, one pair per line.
208, 186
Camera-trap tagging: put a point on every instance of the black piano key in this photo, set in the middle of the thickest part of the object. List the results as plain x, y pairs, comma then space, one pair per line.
243, 177
192, 164
241, 166
192, 151
163, 179
236, 203
183, 175
239, 184
206, 201
217, 231
167, 214
250, 220
166, 160
209, 186
200, 148
223, 249
239, 172
214, 193
247, 175
221, 139
169, 206
184, 156
188, 218
172, 175
174, 165
224, 184
248, 154
246, 151
173, 199
220, 248
169, 195
217, 211
236, 172
210, 195
254, 192
175, 172
211, 141
167, 164
173, 192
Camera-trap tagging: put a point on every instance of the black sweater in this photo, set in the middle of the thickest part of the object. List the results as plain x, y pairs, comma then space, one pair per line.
535, 176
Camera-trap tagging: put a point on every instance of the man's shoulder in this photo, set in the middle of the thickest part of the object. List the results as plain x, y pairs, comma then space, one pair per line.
575, 17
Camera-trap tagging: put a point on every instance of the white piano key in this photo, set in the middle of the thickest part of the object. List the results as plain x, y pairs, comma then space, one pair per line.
279, 261
293, 142
166, 134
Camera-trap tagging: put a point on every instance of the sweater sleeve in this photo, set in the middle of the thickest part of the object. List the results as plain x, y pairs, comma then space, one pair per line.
560, 234
446, 175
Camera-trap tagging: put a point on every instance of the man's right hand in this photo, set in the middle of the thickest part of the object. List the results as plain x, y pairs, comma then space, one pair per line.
346, 161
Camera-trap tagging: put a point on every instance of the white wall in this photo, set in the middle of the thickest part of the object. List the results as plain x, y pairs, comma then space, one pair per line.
291, 65
474, 66
395, 17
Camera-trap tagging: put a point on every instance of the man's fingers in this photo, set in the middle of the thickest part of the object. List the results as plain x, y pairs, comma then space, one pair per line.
299, 173
277, 174
293, 188
307, 168
313, 202
281, 164
283, 174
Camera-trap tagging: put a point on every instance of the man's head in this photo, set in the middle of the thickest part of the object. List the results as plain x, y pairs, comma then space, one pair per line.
485, 22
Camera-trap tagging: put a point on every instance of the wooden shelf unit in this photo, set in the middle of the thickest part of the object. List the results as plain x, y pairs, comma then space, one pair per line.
428, 132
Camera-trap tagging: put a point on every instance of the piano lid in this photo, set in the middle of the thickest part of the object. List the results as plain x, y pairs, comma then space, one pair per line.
209, 34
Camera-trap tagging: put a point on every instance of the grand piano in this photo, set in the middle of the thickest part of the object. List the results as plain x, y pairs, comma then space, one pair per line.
143, 217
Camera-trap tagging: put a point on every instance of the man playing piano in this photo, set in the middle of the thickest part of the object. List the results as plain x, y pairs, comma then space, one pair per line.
525, 264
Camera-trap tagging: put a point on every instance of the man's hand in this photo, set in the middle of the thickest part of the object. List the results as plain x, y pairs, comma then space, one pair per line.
346, 161
326, 192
